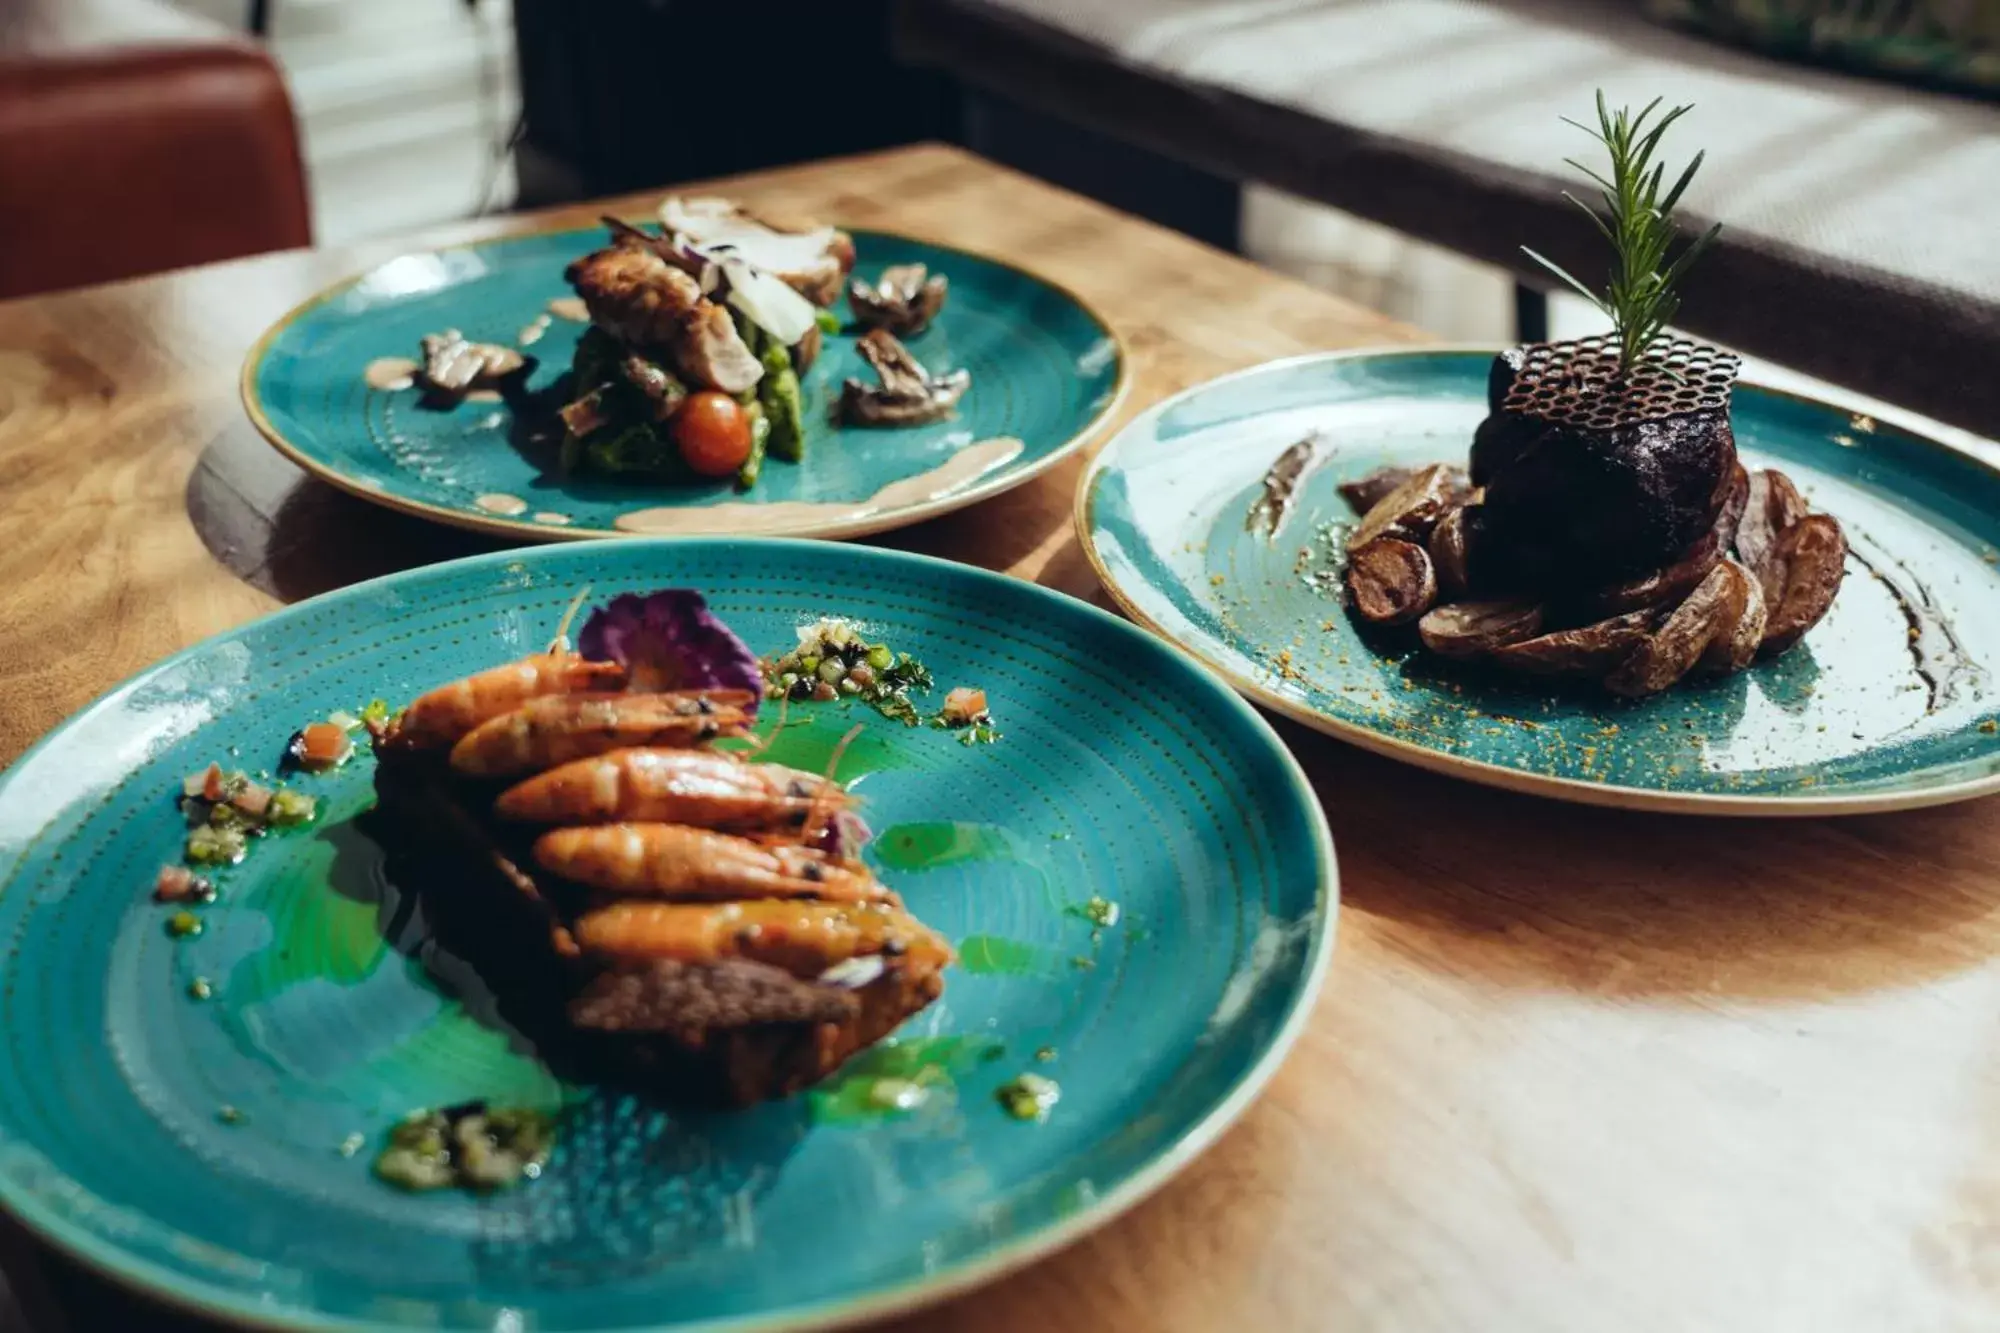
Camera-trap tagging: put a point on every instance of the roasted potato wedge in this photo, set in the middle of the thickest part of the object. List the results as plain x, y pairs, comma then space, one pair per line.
1391, 581
1671, 651
1733, 505
1811, 559
1586, 651
1772, 506
1448, 551
1662, 587
1742, 620
1365, 494
1474, 629
1412, 509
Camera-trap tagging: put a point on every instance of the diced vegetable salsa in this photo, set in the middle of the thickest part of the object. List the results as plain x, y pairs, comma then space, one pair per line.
833, 660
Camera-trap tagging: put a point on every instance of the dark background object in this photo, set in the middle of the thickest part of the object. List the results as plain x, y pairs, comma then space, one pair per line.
620, 95
623, 95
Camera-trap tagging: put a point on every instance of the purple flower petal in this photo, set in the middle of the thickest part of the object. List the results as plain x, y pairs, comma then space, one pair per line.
669, 640
844, 836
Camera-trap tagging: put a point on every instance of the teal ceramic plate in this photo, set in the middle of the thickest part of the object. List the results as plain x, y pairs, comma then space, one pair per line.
1147, 782
1844, 723
1046, 370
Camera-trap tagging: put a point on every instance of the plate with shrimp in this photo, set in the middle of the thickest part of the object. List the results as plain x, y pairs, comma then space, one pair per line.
700, 373
558, 938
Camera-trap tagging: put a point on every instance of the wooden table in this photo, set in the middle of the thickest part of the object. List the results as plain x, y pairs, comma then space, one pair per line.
1576, 1071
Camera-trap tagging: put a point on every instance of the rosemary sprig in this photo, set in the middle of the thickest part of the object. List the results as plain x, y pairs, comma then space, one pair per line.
1642, 295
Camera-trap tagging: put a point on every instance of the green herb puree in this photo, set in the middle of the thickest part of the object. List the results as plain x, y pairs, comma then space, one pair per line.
1029, 1096
473, 1147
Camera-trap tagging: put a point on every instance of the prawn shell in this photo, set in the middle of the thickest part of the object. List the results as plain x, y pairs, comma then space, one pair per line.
561, 728
441, 717
804, 939
655, 785
676, 862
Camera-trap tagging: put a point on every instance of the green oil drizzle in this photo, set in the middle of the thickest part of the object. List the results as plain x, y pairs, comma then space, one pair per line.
932, 1063
808, 743
935, 844
317, 932
997, 956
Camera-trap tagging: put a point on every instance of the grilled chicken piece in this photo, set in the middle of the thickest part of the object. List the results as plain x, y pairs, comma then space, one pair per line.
909, 395
710, 351
636, 296
633, 294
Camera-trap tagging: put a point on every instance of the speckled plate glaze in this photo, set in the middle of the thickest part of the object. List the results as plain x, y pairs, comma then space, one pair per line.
1146, 781
1046, 371
1843, 724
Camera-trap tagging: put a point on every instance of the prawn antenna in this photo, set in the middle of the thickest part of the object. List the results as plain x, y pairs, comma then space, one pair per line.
758, 744
560, 643
821, 808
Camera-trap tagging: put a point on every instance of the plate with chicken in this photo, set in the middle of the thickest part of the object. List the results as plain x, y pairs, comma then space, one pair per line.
705, 370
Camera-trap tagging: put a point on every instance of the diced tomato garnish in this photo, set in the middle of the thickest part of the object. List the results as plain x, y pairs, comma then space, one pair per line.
253, 800
322, 745
175, 884
963, 705
211, 783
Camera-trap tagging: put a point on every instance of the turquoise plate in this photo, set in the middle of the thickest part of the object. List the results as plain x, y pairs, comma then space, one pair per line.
1148, 782
1046, 371
1844, 723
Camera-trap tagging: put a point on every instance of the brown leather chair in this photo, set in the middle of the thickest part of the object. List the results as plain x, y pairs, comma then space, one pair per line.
136, 138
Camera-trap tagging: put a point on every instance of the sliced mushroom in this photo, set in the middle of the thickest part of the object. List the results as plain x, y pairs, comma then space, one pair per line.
1448, 552
1391, 581
585, 414
1412, 509
1671, 651
1586, 651
909, 395
1741, 631
1474, 629
1812, 557
455, 367
665, 392
904, 300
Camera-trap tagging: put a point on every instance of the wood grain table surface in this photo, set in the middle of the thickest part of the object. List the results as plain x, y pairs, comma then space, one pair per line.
1576, 1071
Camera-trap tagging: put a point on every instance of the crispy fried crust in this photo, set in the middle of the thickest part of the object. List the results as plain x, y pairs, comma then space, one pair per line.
733, 1034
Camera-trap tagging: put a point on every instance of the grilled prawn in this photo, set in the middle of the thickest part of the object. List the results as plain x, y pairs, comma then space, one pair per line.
672, 787
558, 728
674, 861
447, 713
805, 939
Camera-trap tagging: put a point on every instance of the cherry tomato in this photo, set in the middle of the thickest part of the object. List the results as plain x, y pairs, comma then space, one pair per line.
713, 432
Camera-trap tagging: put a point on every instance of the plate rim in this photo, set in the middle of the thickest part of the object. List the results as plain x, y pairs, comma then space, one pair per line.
109, 1261
998, 482
1574, 791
